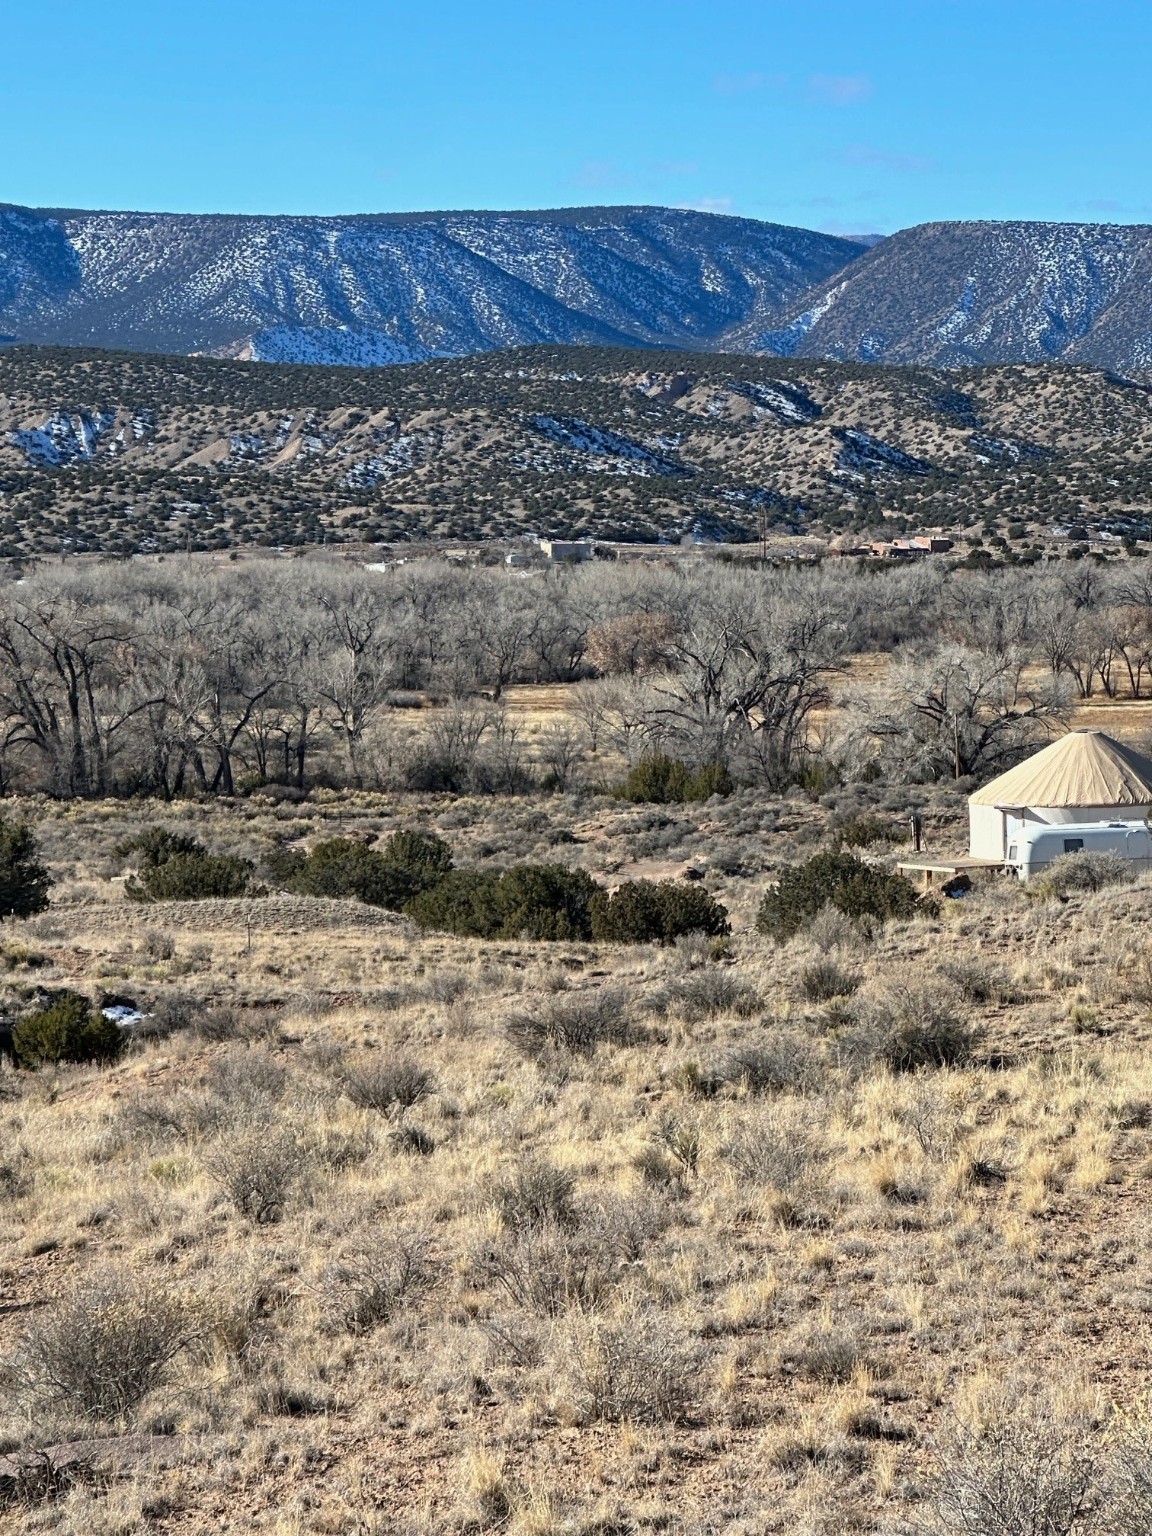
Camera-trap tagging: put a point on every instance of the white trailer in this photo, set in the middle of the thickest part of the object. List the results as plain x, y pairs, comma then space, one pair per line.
1034, 845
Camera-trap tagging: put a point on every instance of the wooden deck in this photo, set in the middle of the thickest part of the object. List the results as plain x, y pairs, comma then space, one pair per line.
925, 871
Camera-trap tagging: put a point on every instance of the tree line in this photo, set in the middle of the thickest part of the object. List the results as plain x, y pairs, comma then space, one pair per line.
171, 679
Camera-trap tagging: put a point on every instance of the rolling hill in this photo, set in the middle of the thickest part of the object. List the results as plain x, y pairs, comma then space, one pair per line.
124, 453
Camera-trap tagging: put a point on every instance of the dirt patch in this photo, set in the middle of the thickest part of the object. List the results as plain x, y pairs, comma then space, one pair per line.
269, 914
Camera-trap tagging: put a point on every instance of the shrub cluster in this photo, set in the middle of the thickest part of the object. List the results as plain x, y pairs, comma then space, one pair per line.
643, 911
526, 901
661, 780
173, 867
414, 873
409, 863
841, 880
66, 1029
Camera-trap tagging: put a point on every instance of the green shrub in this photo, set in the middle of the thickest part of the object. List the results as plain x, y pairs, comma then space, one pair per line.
643, 911
465, 903
526, 901
546, 901
857, 889
67, 1029
156, 845
342, 867
661, 780
422, 855
632, 914
24, 880
191, 877
410, 862
173, 867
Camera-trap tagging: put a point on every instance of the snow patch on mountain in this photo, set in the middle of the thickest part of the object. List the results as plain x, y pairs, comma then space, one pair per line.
595, 450
408, 450
64, 437
953, 326
863, 455
782, 401
786, 342
332, 346
987, 449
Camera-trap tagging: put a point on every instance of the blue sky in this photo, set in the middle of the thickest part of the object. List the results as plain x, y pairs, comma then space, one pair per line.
842, 116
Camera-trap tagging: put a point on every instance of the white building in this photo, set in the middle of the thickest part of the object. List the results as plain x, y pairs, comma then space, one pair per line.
566, 549
1083, 778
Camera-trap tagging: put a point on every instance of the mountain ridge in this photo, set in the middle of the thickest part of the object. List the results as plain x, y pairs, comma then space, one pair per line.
973, 292
429, 284
377, 289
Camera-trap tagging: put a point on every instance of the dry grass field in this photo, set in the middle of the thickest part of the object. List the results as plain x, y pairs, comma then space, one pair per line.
388, 1232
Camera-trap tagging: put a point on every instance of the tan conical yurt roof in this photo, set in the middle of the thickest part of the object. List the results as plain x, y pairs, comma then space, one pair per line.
1082, 768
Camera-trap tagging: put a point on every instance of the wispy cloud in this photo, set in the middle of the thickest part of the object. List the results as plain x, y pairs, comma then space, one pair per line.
675, 168
886, 160
1103, 205
709, 205
752, 80
839, 90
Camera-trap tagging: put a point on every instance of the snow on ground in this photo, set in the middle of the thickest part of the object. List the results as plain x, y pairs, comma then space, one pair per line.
595, 449
862, 454
333, 346
64, 437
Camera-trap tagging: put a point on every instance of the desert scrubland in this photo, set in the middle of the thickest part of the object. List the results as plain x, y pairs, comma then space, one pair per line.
832, 1221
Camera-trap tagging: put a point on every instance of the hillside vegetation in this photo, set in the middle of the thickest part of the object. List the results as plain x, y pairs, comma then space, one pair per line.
123, 454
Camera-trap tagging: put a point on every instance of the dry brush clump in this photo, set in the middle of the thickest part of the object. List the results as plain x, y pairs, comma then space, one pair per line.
641, 1366
387, 1085
366, 1286
908, 1021
104, 1345
1023, 1476
256, 1169
575, 1023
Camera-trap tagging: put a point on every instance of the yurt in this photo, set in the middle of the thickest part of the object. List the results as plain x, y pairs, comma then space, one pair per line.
1083, 777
